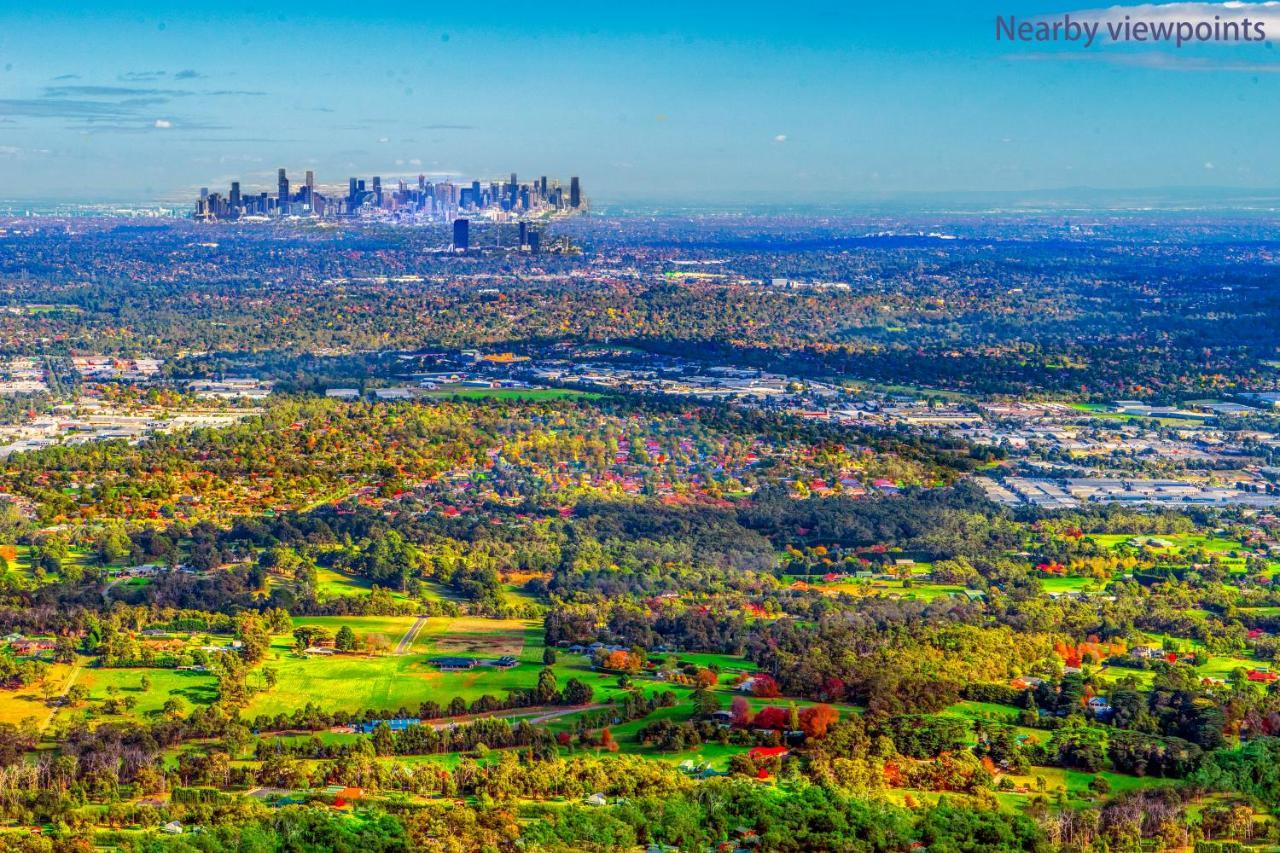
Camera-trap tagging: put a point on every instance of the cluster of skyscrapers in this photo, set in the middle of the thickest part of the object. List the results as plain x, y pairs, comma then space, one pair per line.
443, 201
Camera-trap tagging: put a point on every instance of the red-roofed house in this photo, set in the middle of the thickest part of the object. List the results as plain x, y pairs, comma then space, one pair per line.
769, 752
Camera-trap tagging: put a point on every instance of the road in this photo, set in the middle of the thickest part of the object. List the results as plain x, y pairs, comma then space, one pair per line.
106, 590
564, 712
534, 714
66, 688
407, 640
539, 718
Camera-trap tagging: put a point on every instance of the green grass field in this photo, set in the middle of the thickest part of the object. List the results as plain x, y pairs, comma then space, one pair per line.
391, 626
920, 590
1179, 542
1099, 410
22, 570
330, 583
194, 688
727, 663
389, 681
1060, 583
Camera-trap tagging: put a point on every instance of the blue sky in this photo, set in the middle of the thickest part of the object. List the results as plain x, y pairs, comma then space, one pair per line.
688, 101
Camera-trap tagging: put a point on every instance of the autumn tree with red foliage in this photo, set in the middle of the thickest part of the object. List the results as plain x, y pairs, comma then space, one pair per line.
765, 687
816, 719
770, 717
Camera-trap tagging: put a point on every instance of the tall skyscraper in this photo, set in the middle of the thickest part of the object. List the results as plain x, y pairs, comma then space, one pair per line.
377, 190
235, 195
461, 234
282, 199
524, 234
352, 201
575, 193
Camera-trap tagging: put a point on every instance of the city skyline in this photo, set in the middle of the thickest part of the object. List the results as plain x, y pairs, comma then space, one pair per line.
401, 198
136, 101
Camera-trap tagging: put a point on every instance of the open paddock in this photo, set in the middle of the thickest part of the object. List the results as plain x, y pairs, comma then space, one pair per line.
20, 703
388, 682
474, 636
193, 688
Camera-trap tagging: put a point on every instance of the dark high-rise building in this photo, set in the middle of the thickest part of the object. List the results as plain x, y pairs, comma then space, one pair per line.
543, 186
524, 234
377, 190
575, 193
461, 234
235, 195
282, 198
477, 198
534, 240
351, 194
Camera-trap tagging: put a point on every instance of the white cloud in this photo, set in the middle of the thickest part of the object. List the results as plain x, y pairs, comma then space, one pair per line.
1159, 60
14, 152
781, 137
163, 123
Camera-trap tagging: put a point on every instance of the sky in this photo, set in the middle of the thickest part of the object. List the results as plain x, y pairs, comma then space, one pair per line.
679, 102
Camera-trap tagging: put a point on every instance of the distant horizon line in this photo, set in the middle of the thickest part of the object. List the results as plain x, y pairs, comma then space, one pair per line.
1174, 198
